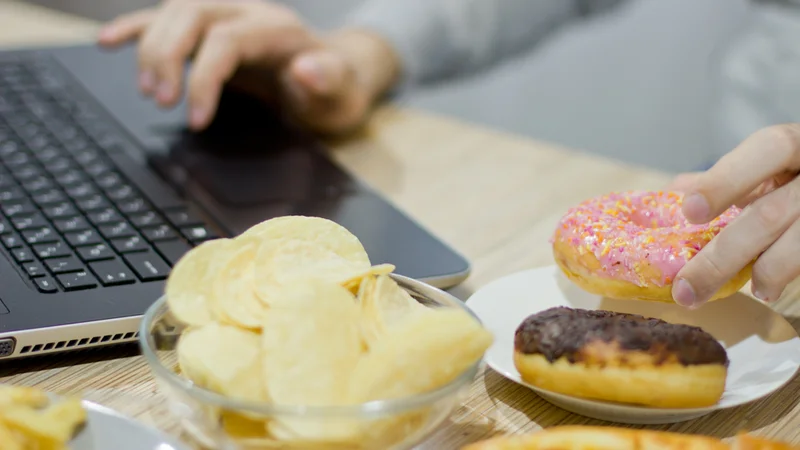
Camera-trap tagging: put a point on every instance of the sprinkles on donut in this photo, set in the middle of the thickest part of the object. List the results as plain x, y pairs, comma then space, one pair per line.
630, 245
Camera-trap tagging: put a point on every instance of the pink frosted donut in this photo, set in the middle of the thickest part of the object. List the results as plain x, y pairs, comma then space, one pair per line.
631, 245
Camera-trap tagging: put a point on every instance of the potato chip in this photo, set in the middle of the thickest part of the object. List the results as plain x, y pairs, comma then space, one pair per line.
418, 355
309, 353
190, 282
292, 312
315, 230
50, 427
354, 284
240, 426
294, 260
234, 300
383, 304
11, 440
22, 395
224, 359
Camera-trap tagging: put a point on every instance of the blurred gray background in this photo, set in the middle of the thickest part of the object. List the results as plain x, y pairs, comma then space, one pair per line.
632, 85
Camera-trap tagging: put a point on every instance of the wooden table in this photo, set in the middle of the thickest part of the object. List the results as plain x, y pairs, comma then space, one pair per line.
494, 197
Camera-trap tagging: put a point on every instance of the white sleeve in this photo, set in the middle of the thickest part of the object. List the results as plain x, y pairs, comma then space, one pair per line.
439, 38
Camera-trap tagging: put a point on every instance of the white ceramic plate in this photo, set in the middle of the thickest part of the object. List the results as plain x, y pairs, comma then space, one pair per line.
107, 429
763, 348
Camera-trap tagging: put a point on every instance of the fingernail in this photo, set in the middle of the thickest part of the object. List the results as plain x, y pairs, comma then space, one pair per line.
197, 117
696, 207
759, 295
683, 293
165, 92
311, 69
146, 81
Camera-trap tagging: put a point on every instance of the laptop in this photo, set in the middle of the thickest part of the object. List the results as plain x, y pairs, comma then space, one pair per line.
101, 193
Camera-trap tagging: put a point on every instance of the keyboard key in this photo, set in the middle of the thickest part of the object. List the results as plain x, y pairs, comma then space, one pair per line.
108, 141
159, 233
16, 159
81, 190
76, 223
12, 240
63, 132
108, 180
27, 222
183, 218
22, 255
145, 220
77, 280
122, 192
133, 206
34, 269
105, 216
49, 197
52, 250
19, 209
47, 154
112, 273
77, 145
64, 265
97, 168
39, 235
95, 252
86, 156
11, 194
198, 233
117, 230
130, 244
45, 284
8, 148
70, 178
172, 251
57, 167
59, 210
37, 184
5, 227
85, 237
27, 172
147, 265
93, 203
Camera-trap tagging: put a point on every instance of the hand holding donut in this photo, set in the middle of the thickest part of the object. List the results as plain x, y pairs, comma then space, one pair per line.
760, 175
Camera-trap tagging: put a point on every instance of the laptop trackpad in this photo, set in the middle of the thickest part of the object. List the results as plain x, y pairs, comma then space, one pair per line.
247, 157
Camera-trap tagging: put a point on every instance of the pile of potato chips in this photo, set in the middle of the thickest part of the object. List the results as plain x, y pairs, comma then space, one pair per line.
30, 420
292, 312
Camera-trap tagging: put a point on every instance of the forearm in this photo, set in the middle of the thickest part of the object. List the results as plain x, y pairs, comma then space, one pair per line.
439, 38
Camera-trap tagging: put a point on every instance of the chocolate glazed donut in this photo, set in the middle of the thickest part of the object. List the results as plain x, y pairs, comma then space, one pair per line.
619, 357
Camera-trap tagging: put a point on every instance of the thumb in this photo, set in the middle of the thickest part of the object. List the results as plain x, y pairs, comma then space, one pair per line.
321, 72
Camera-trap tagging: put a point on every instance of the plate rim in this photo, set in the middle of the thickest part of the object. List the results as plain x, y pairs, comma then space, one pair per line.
98, 408
618, 407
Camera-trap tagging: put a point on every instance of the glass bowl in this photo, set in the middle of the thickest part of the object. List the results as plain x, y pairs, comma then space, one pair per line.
219, 422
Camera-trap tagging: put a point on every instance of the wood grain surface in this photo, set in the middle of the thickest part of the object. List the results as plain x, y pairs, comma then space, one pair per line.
494, 197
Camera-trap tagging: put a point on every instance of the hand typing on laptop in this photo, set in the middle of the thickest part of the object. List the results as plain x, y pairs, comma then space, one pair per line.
327, 83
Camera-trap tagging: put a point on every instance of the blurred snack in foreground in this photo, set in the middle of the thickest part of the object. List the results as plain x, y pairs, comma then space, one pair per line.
293, 313
29, 420
578, 437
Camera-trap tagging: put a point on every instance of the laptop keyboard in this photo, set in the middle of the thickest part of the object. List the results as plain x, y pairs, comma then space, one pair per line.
69, 217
